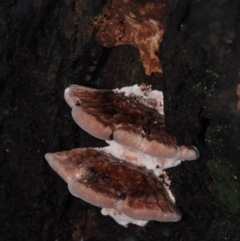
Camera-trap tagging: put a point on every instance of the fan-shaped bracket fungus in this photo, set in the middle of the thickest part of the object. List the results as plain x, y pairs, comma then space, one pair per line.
123, 177
108, 182
132, 116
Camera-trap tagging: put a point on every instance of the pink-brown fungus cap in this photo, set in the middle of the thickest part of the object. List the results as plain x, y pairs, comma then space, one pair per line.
108, 182
110, 115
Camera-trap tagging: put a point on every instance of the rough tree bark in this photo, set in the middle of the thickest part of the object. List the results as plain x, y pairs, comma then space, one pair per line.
45, 45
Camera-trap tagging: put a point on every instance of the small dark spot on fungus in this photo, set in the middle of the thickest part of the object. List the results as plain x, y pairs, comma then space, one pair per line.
146, 130
111, 137
161, 176
122, 196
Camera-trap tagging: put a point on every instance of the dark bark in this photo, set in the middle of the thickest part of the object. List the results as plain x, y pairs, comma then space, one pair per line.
45, 45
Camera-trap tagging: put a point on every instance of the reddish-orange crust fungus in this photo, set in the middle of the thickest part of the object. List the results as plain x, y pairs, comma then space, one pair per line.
135, 23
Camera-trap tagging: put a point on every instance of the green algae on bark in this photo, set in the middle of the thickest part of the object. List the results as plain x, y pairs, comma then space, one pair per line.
226, 186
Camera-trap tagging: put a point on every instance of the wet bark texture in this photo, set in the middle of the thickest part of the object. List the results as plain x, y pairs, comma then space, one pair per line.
46, 45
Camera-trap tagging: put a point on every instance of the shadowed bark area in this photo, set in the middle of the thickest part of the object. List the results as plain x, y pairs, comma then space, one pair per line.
45, 45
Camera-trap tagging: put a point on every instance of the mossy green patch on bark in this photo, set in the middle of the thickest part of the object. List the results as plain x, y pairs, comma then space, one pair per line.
226, 186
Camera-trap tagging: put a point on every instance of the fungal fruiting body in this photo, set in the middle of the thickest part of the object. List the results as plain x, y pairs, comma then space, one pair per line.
122, 177
135, 121
135, 23
108, 182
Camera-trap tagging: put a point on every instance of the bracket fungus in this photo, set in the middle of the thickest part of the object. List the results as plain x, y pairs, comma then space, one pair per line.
108, 182
137, 23
130, 120
123, 177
